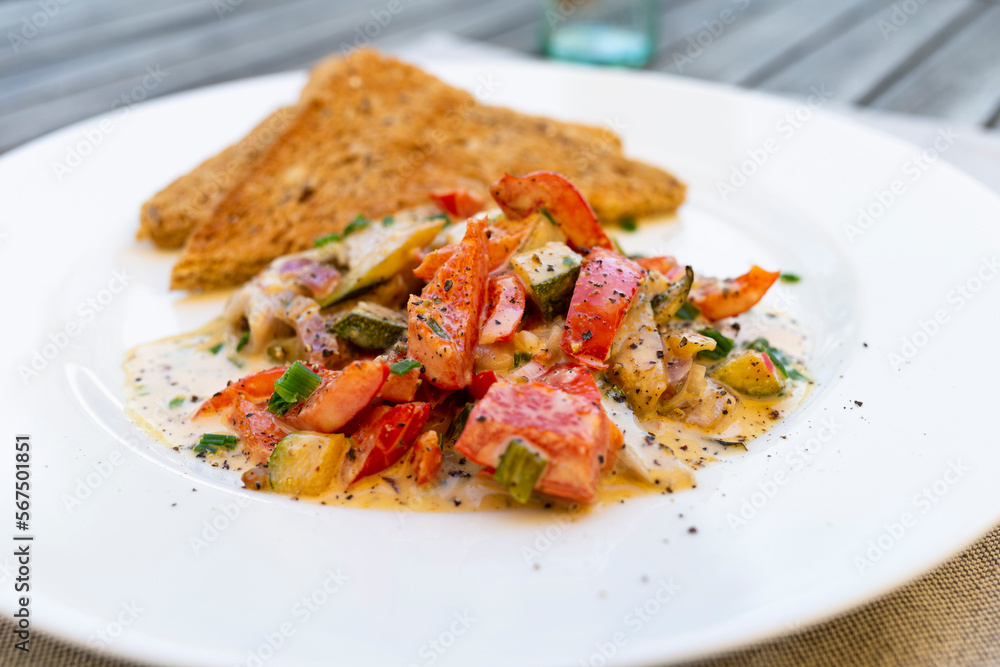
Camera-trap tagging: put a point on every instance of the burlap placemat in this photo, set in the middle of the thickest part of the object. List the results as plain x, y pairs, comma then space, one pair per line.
950, 616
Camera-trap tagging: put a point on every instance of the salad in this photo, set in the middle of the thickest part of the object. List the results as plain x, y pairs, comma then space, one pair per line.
451, 357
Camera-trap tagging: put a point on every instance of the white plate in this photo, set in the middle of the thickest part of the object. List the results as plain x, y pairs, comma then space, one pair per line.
117, 517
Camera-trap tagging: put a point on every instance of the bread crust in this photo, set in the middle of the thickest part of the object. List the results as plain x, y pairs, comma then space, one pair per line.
373, 135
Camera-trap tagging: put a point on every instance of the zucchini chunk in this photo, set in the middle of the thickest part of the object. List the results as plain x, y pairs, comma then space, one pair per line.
635, 364
549, 273
304, 463
752, 373
383, 252
371, 326
667, 303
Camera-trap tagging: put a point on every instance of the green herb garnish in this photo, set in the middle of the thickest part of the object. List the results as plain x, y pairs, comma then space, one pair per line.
176, 402
210, 443
329, 238
789, 278
295, 385
439, 216
436, 328
356, 225
629, 224
458, 425
568, 261
781, 362
215, 349
688, 311
519, 469
520, 359
388, 220
723, 345
548, 216
403, 367
244, 339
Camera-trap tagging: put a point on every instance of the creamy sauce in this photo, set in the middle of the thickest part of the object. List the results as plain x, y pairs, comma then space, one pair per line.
169, 379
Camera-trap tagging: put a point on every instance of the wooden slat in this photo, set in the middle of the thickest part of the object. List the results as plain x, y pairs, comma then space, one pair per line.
959, 81
273, 51
850, 65
755, 45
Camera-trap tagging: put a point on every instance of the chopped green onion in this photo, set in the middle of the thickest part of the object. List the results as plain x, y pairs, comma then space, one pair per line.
629, 224
520, 359
176, 402
439, 216
520, 469
210, 443
436, 328
789, 278
723, 345
568, 261
388, 220
244, 339
215, 349
781, 362
403, 367
549, 217
329, 238
688, 311
458, 425
356, 225
295, 385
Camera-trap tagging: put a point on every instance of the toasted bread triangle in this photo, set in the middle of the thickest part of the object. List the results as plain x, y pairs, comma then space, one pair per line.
376, 135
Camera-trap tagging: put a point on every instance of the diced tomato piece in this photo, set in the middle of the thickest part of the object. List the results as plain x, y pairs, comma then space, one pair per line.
579, 381
385, 436
481, 383
399, 388
717, 299
445, 320
501, 244
602, 296
460, 203
564, 428
553, 195
255, 386
257, 429
504, 308
341, 396
427, 456
664, 264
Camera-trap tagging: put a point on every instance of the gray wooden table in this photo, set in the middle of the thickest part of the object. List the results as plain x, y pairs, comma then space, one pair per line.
65, 60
